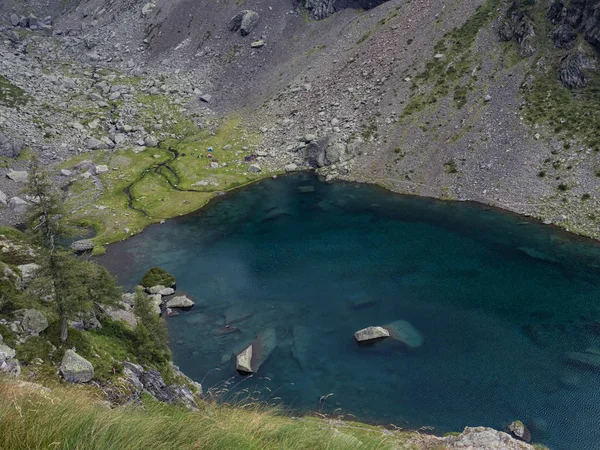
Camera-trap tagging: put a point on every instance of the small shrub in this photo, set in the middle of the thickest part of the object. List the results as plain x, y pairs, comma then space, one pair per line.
157, 276
563, 187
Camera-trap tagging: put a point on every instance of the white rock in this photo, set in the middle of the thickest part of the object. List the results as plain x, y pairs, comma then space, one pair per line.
101, 169
370, 333
3, 198
243, 361
181, 301
18, 176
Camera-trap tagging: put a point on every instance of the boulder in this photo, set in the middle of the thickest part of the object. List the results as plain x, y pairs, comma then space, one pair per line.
128, 299
518, 430
3, 198
17, 204
18, 176
572, 70
290, 167
155, 289
14, 20
95, 144
254, 168
245, 21
34, 322
206, 98
243, 361
258, 44
11, 148
404, 332
165, 292
371, 333
83, 245
180, 301
28, 272
75, 368
150, 141
252, 357
315, 152
6, 352
101, 169
483, 438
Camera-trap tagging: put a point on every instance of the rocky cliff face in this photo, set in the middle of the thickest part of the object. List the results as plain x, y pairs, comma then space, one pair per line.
321, 9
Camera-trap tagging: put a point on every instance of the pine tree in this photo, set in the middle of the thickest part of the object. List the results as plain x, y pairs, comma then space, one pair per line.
75, 284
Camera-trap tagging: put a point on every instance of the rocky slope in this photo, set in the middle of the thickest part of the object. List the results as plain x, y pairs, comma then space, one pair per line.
485, 101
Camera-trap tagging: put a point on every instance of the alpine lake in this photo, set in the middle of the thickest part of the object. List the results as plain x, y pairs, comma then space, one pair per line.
506, 310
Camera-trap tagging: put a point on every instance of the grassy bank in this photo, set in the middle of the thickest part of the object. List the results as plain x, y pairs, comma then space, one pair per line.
74, 418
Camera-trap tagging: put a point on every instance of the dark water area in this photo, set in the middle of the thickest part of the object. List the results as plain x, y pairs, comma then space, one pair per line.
509, 309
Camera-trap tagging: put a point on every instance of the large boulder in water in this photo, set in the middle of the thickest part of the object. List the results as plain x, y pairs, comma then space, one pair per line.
257, 352
371, 334
76, 368
404, 332
180, 301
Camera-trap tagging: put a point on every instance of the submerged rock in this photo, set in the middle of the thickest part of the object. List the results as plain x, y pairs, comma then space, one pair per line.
403, 331
371, 333
75, 368
588, 359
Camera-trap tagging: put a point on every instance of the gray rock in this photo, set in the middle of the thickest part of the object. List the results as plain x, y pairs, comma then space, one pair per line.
155, 289
10, 367
315, 152
180, 301
252, 357
17, 204
245, 21
3, 198
122, 315
482, 438
128, 299
82, 245
150, 141
156, 300
66, 172
254, 168
572, 70
334, 152
6, 352
75, 368
101, 169
18, 176
290, 167
518, 430
11, 148
34, 322
166, 291
28, 272
258, 44
206, 98
95, 144
371, 333
14, 20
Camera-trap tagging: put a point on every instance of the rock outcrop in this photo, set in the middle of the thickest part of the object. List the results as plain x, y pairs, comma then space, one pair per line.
33, 321
482, 438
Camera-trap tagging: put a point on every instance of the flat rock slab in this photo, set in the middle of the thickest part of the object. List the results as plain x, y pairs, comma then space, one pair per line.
371, 334
243, 361
18, 176
258, 351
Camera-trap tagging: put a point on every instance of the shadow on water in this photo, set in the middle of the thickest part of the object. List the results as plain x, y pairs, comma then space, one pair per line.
508, 308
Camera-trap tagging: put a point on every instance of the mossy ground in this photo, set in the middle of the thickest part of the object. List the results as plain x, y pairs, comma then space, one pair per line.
159, 183
11, 95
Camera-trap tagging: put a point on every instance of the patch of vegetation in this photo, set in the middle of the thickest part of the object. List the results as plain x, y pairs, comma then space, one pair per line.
457, 62
11, 96
69, 417
450, 167
157, 276
569, 113
160, 183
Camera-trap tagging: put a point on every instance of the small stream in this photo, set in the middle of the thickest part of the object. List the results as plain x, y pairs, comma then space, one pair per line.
509, 309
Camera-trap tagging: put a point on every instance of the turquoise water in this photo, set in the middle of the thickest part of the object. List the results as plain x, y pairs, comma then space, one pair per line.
501, 302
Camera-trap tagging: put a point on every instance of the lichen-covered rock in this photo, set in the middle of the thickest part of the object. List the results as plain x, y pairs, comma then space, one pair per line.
33, 322
75, 368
